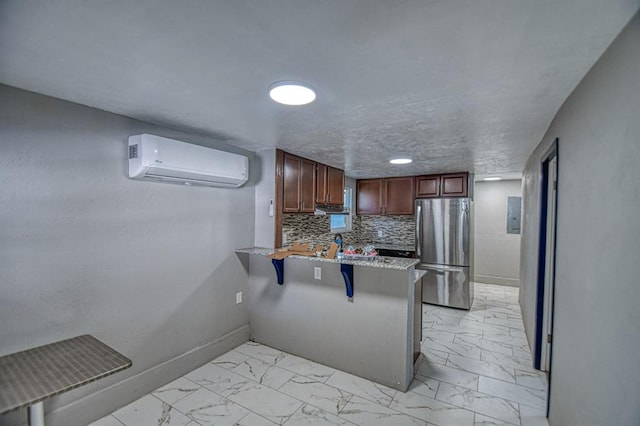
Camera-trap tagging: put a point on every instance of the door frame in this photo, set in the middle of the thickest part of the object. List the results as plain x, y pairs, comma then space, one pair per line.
550, 267
546, 288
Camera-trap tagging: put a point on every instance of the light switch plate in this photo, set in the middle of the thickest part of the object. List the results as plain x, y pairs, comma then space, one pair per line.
238, 297
380, 234
317, 273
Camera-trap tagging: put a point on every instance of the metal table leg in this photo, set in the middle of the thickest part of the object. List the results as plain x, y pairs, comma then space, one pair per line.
36, 414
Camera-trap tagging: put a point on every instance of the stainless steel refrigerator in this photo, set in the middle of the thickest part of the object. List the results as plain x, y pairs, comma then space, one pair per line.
444, 245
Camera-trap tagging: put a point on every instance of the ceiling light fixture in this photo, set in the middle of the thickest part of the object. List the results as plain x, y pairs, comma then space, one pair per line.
493, 178
291, 93
401, 161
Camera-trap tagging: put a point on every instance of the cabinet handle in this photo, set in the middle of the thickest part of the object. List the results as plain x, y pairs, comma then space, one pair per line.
329, 195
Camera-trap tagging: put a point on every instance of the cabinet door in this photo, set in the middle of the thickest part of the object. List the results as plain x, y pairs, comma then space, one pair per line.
307, 186
428, 186
454, 185
369, 196
321, 184
291, 174
399, 195
335, 186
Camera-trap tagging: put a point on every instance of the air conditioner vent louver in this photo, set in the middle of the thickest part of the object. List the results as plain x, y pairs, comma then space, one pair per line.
133, 151
167, 160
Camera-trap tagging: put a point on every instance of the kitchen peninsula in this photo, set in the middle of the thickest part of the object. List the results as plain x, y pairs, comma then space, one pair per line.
375, 335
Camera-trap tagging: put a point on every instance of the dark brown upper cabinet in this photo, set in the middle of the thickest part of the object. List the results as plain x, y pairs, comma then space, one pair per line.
385, 196
335, 186
369, 196
299, 177
428, 186
454, 185
448, 185
321, 183
329, 185
398, 194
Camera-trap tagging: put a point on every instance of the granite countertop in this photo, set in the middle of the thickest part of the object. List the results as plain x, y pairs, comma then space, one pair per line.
379, 262
400, 247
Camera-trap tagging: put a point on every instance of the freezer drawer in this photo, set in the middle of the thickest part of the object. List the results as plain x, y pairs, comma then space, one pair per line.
447, 286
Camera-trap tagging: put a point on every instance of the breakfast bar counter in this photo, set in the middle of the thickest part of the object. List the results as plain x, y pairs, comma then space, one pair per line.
398, 263
370, 335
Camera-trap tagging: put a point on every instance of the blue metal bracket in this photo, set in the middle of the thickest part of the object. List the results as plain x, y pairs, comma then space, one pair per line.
347, 273
279, 265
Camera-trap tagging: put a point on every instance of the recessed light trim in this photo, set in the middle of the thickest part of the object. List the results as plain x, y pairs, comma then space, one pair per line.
401, 161
292, 93
490, 178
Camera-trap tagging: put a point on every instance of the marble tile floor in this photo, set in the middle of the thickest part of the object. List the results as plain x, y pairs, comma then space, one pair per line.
477, 372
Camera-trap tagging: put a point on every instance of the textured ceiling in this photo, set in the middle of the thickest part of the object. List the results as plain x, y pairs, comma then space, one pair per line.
456, 85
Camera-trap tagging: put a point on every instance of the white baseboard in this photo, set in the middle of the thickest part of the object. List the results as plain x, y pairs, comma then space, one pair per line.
91, 407
488, 279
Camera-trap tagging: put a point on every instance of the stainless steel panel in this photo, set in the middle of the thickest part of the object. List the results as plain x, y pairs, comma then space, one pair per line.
419, 220
448, 287
443, 231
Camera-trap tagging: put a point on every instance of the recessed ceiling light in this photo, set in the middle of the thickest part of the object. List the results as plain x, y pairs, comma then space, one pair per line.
493, 178
291, 93
401, 161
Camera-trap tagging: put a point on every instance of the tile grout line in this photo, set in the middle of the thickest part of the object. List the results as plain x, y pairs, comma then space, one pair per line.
487, 301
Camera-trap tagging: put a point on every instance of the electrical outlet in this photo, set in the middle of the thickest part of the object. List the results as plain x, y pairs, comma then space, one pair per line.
284, 238
317, 273
238, 297
380, 234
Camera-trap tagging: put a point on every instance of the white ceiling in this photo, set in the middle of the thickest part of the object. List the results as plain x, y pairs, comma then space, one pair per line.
457, 85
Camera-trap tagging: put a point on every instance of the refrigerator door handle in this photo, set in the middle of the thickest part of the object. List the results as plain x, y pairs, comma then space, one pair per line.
418, 230
442, 268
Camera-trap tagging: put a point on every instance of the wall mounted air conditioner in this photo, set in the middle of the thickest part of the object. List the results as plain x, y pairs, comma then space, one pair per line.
167, 160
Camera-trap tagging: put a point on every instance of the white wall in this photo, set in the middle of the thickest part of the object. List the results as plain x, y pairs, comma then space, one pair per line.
265, 191
371, 336
146, 267
497, 254
595, 377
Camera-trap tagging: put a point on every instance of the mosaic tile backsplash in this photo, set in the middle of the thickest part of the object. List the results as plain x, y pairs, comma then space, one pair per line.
398, 229
306, 228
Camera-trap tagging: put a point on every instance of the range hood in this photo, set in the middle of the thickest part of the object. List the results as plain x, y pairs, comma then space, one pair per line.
325, 209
